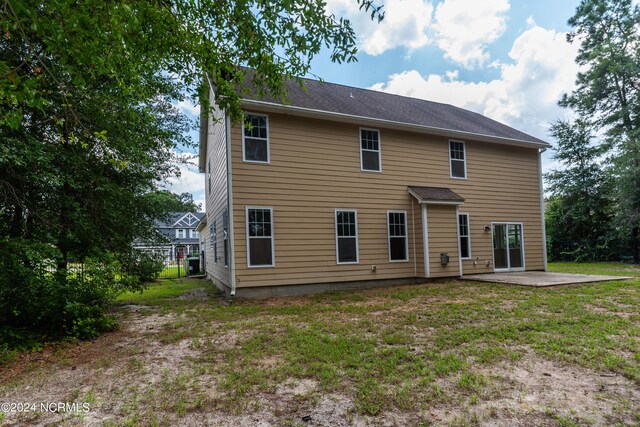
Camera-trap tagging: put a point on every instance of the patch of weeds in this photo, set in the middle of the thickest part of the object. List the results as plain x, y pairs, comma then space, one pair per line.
135, 365
465, 419
370, 397
471, 381
394, 337
569, 420
445, 364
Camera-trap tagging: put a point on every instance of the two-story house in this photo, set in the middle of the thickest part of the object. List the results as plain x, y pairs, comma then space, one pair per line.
178, 236
346, 187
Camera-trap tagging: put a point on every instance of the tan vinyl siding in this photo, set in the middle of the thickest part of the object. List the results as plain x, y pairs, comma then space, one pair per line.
216, 196
315, 168
443, 238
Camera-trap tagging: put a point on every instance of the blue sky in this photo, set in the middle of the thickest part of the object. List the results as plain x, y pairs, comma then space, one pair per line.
506, 59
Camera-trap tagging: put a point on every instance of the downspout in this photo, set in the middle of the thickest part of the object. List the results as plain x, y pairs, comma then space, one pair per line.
232, 260
542, 208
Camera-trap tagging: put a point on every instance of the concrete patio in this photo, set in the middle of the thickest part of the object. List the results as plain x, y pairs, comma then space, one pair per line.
540, 279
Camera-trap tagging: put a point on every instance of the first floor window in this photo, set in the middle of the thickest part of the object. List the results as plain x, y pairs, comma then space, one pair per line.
214, 241
225, 236
347, 236
465, 241
260, 237
397, 229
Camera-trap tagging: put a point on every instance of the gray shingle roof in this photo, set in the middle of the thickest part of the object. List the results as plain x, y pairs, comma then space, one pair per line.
335, 98
436, 194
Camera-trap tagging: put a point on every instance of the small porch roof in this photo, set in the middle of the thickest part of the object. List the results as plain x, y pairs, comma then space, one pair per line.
436, 195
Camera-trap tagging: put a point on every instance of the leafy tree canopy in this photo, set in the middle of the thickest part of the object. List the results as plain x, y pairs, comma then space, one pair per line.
608, 96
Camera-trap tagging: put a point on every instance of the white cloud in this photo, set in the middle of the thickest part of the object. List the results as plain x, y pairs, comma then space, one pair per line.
405, 24
466, 27
526, 94
190, 181
188, 107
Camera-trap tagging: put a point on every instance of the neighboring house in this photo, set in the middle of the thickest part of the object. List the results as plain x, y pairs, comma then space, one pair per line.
180, 235
346, 187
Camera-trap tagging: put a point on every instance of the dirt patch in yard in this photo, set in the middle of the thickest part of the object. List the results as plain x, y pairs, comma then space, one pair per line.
204, 363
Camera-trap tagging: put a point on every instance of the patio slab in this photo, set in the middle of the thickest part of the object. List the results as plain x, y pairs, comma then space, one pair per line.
540, 279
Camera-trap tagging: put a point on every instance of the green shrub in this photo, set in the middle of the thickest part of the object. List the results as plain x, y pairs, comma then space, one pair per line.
144, 265
39, 301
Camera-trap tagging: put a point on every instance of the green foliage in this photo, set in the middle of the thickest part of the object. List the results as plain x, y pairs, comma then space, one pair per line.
142, 264
608, 95
166, 201
89, 129
579, 214
38, 302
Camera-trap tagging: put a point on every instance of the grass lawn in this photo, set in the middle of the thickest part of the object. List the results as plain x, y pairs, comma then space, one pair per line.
443, 353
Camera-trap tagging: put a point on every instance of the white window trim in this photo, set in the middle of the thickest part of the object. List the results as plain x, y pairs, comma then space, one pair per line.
468, 236
273, 238
406, 237
192, 234
268, 139
178, 230
464, 145
335, 221
379, 151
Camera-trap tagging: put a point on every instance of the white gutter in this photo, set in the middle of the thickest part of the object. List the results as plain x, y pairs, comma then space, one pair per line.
232, 260
389, 124
542, 208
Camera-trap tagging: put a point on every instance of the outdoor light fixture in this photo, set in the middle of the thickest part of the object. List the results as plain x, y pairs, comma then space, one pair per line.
444, 258
487, 228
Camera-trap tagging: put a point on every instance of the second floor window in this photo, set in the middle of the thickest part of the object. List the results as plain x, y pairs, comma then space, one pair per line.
181, 233
457, 159
194, 234
255, 138
370, 150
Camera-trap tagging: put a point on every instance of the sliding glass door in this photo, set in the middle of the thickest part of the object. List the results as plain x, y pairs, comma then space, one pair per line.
508, 249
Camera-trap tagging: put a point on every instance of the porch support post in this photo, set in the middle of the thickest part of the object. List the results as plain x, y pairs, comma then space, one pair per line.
425, 239
458, 234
